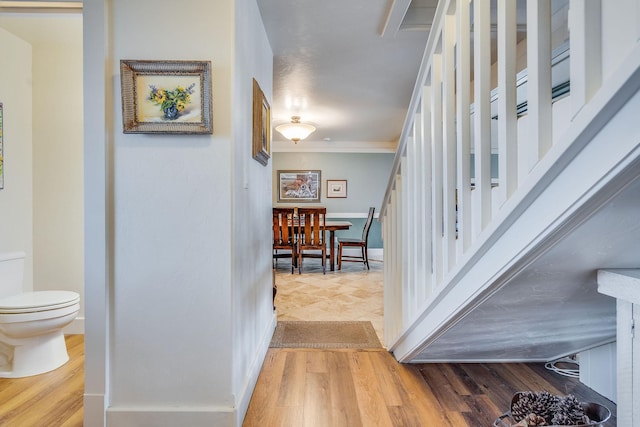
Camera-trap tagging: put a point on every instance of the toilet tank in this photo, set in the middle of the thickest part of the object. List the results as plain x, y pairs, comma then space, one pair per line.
11, 273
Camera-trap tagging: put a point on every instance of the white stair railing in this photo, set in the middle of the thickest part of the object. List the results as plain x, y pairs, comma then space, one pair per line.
434, 219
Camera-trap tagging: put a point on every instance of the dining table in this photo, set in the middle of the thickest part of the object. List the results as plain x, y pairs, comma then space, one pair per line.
332, 227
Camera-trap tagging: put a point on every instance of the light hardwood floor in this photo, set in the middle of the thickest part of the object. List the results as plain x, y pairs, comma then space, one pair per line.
53, 399
307, 387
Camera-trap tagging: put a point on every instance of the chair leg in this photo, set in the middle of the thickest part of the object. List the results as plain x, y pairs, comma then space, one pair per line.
339, 256
365, 256
324, 262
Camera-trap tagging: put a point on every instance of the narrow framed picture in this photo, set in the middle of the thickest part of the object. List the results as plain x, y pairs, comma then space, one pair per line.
299, 186
261, 126
336, 188
166, 97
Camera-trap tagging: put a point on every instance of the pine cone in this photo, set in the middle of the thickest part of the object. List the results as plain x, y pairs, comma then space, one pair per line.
542, 404
569, 412
522, 407
534, 420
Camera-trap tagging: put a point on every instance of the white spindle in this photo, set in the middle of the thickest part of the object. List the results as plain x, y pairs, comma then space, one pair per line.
436, 165
427, 203
401, 186
482, 112
418, 232
463, 124
539, 74
586, 51
410, 218
507, 116
637, 6
399, 278
449, 139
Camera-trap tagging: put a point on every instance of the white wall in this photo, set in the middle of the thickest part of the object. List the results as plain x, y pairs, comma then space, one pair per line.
57, 161
16, 199
56, 77
188, 320
253, 315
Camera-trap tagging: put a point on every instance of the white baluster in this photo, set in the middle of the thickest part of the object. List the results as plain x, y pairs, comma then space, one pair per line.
539, 75
449, 140
507, 116
482, 113
426, 193
436, 165
463, 124
586, 51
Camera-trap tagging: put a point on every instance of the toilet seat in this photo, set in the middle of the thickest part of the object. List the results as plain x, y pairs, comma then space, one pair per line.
32, 302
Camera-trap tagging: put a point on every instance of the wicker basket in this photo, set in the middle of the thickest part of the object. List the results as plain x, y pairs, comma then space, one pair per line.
598, 415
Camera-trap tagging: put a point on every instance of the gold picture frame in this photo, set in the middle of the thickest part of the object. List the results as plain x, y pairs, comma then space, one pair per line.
261, 126
171, 97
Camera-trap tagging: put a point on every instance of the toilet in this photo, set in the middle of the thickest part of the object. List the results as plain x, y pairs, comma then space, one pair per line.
31, 338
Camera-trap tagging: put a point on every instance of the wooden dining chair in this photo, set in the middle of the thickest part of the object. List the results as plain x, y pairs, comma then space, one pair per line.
358, 243
311, 236
284, 237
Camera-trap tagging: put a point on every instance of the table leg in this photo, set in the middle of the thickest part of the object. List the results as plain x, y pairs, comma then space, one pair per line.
331, 248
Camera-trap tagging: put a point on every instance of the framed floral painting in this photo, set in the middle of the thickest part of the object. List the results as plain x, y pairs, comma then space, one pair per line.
1, 150
166, 96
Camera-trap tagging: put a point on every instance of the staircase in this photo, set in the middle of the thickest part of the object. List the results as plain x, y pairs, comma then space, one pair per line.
502, 204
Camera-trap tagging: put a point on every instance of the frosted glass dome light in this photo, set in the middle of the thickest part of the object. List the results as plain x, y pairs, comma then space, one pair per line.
295, 131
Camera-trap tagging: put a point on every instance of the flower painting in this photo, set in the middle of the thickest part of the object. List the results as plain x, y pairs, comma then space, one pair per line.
166, 96
171, 102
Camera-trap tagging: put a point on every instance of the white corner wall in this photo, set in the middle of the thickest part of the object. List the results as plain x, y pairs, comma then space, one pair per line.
57, 163
16, 199
58, 249
252, 295
187, 321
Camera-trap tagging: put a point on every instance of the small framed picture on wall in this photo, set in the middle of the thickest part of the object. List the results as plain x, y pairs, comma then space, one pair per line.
336, 188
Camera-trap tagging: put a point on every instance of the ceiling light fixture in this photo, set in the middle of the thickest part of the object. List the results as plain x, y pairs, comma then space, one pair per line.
295, 130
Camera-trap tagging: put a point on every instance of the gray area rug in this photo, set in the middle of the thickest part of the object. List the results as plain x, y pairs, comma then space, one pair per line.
298, 334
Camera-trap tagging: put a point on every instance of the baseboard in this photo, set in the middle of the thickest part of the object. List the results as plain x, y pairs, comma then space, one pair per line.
93, 407
374, 253
201, 416
247, 392
75, 328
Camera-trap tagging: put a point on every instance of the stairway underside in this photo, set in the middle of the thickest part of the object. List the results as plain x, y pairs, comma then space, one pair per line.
530, 292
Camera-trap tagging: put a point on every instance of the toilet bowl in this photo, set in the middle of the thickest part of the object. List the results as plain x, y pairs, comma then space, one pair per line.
31, 337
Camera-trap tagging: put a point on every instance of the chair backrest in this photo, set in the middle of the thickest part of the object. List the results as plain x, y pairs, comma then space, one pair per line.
367, 225
283, 232
312, 226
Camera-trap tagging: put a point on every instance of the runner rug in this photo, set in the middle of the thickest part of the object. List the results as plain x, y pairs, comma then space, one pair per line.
290, 334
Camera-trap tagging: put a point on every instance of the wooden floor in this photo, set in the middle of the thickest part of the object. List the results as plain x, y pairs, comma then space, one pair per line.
303, 387
53, 399
328, 388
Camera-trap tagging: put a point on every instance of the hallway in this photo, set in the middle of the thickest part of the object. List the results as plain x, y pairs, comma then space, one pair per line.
312, 387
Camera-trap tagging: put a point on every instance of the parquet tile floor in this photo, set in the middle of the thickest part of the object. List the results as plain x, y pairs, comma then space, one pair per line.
351, 294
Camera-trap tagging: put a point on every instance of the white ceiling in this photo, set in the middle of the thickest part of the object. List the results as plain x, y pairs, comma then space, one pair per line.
334, 69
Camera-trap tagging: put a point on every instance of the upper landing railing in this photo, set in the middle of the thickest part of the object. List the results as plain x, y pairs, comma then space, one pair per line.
469, 156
